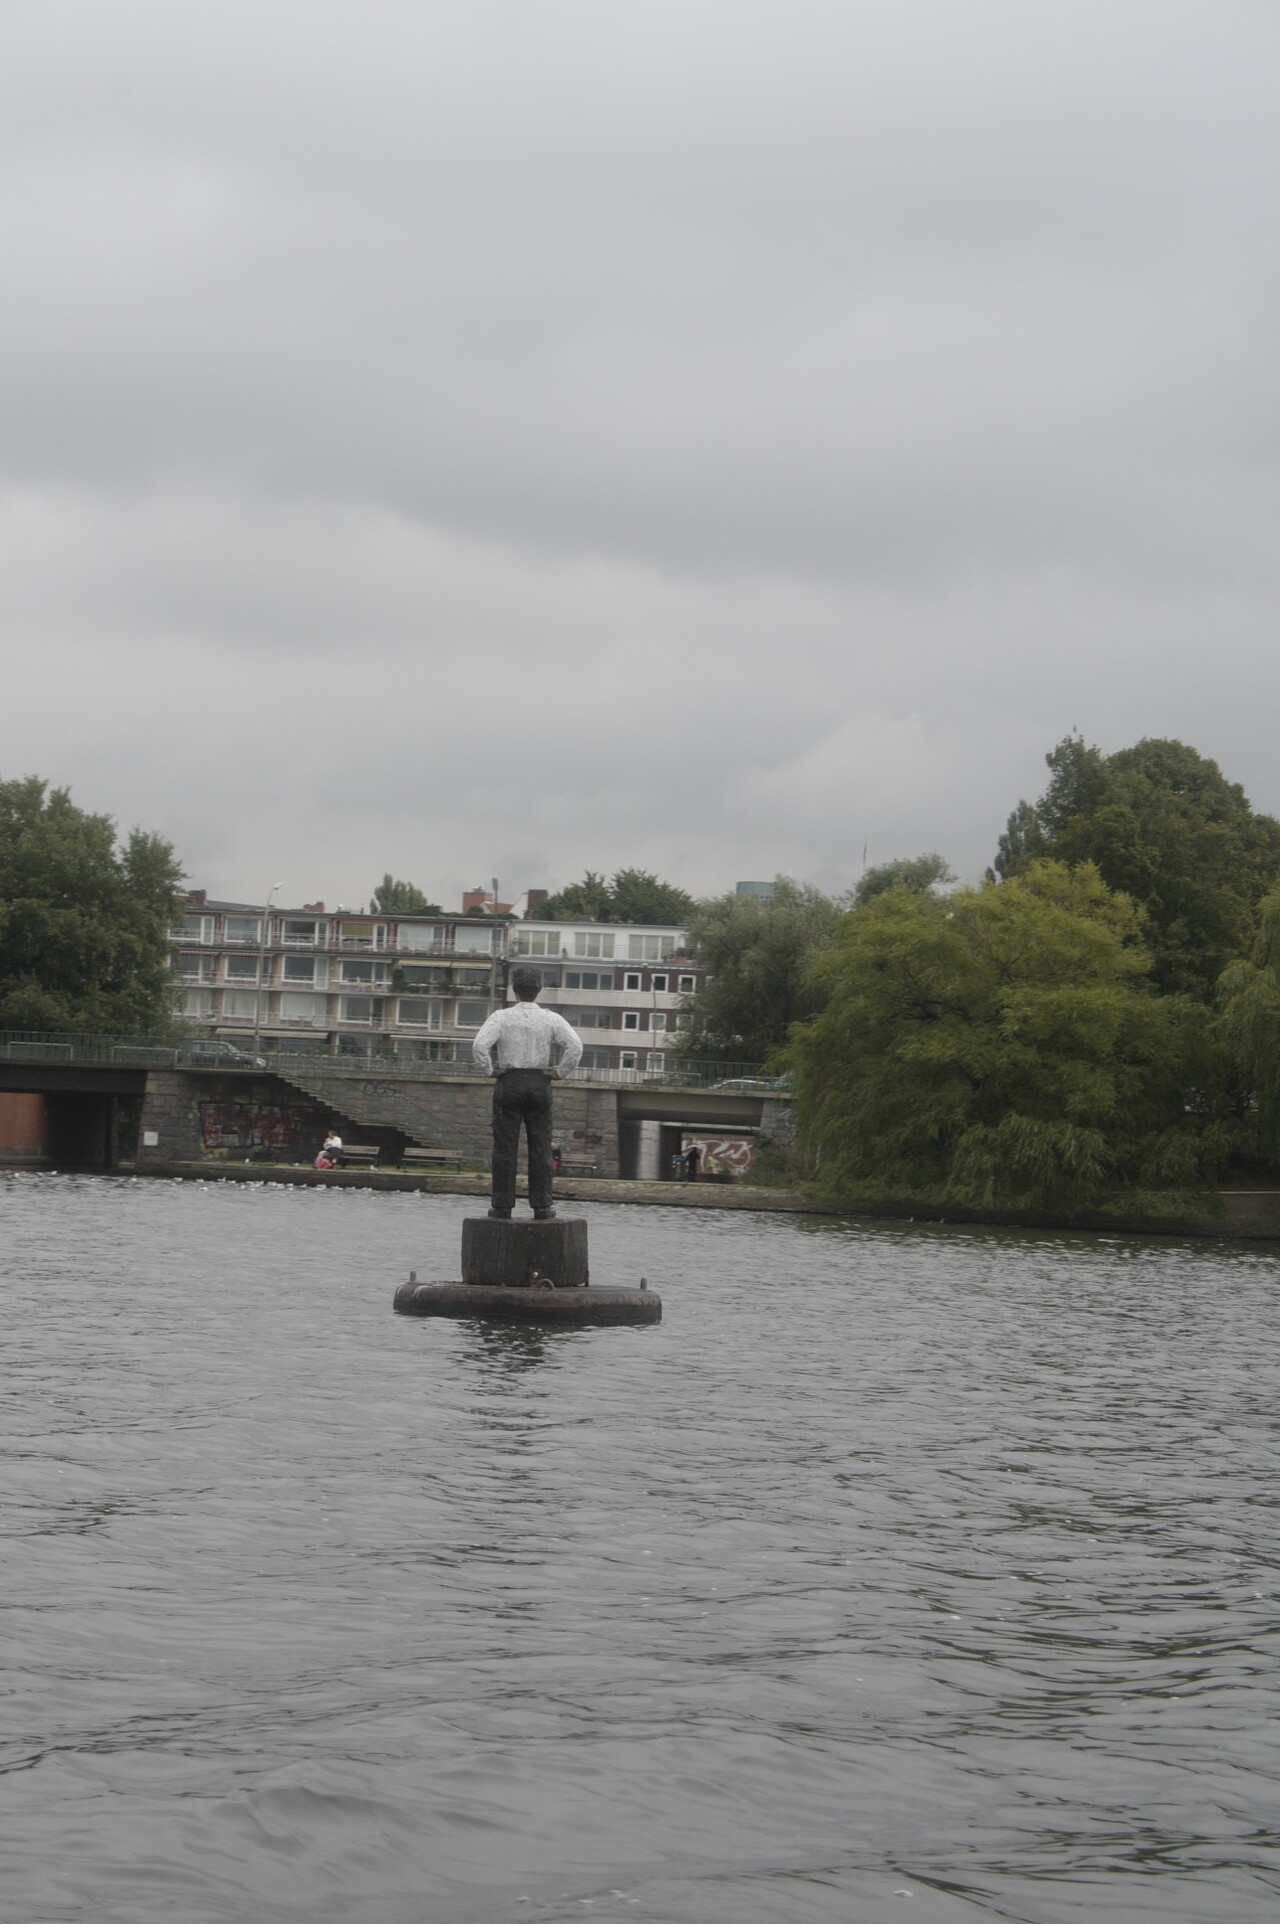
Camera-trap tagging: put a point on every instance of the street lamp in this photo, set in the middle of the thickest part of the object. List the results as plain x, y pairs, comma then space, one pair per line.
262, 956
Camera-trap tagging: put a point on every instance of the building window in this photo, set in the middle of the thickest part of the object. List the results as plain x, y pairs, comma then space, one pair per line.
686, 985
660, 984
239, 1004
468, 939
308, 1009
657, 1019
472, 1014
242, 928
585, 979
630, 1019
627, 1060
589, 943
684, 1021
419, 1012
196, 928
650, 948
631, 982
300, 935
357, 1008
362, 935
657, 1062
299, 968
196, 968
363, 971
242, 968
419, 936
535, 942
197, 1002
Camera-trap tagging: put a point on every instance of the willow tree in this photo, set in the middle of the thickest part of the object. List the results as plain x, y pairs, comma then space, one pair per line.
1249, 1027
1000, 1047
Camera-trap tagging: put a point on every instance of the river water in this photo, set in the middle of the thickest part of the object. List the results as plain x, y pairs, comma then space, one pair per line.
901, 1572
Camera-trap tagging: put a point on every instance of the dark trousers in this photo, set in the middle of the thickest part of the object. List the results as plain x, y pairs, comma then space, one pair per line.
521, 1095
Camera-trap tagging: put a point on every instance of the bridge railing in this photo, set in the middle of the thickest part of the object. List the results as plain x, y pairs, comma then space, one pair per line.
20, 1045
204, 1052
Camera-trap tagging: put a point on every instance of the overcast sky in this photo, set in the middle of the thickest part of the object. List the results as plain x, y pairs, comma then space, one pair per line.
508, 437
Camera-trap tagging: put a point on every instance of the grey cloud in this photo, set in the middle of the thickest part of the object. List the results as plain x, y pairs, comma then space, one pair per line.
711, 437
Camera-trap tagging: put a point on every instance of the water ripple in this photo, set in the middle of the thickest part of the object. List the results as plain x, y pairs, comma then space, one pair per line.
898, 1572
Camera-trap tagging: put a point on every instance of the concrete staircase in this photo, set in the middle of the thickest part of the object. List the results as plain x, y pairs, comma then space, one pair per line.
373, 1103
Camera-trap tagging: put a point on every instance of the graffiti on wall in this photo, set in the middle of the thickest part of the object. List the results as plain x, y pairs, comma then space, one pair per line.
723, 1155
250, 1125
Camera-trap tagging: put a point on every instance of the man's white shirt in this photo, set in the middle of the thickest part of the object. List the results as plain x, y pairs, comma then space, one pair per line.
527, 1037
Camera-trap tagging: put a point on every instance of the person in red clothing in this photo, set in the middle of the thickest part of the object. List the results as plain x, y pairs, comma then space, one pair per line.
331, 1149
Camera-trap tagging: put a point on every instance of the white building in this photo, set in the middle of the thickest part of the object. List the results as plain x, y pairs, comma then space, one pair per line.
624, 988
419, 986
309, 978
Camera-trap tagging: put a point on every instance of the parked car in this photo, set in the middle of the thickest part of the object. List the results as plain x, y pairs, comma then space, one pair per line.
755, 1082
210, 1053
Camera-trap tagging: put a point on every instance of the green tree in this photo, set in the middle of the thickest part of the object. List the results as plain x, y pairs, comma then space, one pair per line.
633, 895
401, 898
1000, 1048
1249, 1027
756, 959
84, 920
922, 874
584, 901
1163, 825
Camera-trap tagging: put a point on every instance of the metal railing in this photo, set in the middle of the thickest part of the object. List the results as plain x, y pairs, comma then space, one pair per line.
333, 943
212, 1052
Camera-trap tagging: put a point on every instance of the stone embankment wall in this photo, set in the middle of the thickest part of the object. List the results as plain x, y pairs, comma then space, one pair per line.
197, 1118
1251, 1212
456, 1113
778, 1122
194, 1118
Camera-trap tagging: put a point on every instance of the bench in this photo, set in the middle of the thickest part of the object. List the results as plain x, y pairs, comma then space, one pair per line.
433, 1158
358, 1152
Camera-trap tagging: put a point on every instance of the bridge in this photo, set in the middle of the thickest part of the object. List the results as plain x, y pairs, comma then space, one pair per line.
195, 1099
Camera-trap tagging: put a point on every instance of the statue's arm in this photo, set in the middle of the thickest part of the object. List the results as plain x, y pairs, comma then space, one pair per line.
486, 1038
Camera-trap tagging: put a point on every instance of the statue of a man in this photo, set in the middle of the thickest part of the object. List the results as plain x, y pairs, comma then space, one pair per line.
535, 1047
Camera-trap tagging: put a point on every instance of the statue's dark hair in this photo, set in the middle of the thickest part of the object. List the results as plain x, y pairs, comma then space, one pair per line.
526, 983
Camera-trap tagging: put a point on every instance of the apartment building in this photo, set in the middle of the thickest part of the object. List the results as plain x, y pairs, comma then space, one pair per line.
624, 988
311, 978
419, 986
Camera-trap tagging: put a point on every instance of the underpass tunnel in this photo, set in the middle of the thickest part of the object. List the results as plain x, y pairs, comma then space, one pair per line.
81, 1130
